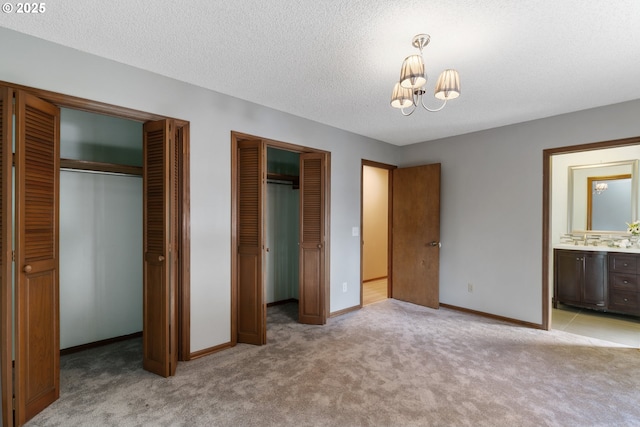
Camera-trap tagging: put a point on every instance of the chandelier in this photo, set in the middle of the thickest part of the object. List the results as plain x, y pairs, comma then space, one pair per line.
408, 92
600, 187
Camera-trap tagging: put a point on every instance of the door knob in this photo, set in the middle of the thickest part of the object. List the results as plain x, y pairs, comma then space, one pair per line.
27, 268
434, 243
319, 246
160, 258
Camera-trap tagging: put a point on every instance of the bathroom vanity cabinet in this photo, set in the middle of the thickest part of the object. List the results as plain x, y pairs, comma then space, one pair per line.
599, 280
581, 278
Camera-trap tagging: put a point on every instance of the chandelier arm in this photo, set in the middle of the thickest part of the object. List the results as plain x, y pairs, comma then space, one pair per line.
433, 110
410, 112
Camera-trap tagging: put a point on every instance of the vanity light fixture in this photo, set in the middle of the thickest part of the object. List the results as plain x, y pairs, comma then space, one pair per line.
600, 187
407, 93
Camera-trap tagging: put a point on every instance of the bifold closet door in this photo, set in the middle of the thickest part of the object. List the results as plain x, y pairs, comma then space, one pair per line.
312, 239
252, 309
6, 306
160, 327
37, 353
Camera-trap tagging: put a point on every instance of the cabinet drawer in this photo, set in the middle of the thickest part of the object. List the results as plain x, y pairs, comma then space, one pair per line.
624, 301
622, 263
624, 282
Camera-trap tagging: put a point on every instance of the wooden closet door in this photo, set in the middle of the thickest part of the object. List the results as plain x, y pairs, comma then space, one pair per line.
312, 239
37, 358
252, 310
160, 328
6, 308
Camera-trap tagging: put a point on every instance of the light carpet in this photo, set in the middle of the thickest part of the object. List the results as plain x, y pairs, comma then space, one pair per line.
388, 364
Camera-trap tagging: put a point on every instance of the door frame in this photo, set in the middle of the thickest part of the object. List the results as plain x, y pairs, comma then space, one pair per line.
269, 143
547, 154
390, 169
184, 285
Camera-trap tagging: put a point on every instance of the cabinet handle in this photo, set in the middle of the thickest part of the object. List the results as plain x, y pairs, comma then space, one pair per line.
27, 269
625, 264
625, 299
625, 282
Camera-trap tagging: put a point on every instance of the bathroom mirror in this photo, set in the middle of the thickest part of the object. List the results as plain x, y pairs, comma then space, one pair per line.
603, 197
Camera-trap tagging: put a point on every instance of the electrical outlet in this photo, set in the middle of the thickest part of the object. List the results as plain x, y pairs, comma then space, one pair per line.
470, 287
344, 287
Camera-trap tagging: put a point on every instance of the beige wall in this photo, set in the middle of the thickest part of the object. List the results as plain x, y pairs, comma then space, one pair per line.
375, 208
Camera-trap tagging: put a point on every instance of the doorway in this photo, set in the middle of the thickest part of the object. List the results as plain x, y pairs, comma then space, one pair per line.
100, 229
249, 249
375, 241
413, 230
37, 162
555, 223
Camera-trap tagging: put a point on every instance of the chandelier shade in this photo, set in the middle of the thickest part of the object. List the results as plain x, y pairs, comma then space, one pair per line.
401, 97
448, 85
412, 75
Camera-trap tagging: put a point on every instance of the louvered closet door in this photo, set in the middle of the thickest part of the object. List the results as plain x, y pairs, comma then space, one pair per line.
160, 330
252, 311
312, 239
37, 308
6, 101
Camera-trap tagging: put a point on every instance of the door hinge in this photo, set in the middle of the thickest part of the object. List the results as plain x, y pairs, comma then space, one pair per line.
13, 255
13, 403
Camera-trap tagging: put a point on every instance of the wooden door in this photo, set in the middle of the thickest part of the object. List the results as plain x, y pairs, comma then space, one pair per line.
160, 328
416, 235
252, 310
312, 239
37, 358
6, 207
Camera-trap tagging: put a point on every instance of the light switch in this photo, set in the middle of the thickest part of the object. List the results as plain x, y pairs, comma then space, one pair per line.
355, 231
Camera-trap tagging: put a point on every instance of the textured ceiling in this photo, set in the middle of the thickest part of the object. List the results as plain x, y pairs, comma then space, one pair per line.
335, 62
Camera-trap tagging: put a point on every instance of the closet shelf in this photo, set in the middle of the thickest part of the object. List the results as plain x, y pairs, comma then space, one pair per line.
86, 165
293, 179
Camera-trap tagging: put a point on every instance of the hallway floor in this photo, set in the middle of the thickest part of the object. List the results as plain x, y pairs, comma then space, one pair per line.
374, 291
612, 327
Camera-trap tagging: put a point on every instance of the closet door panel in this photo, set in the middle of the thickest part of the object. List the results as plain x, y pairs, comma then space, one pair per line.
312, 239
252, 322
6, 102
37, 307
159, 288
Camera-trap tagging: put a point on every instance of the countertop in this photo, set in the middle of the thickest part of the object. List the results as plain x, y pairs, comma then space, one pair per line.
580, 247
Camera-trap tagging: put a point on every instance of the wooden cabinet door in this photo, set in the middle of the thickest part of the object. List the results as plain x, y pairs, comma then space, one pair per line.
311, 306
595, 279
415, 262
6, 307
160, 331
568, 276
252, 310
37, 358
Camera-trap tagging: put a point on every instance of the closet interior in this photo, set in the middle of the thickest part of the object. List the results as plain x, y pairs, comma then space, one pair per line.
101, 222
282, 226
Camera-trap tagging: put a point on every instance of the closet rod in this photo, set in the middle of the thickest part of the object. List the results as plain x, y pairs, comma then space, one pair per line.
99, 167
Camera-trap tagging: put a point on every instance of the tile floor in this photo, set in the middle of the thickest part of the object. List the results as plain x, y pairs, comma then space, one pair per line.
616, 328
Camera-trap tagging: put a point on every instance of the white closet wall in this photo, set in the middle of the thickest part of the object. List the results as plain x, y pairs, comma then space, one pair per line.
282, 241
100, 257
